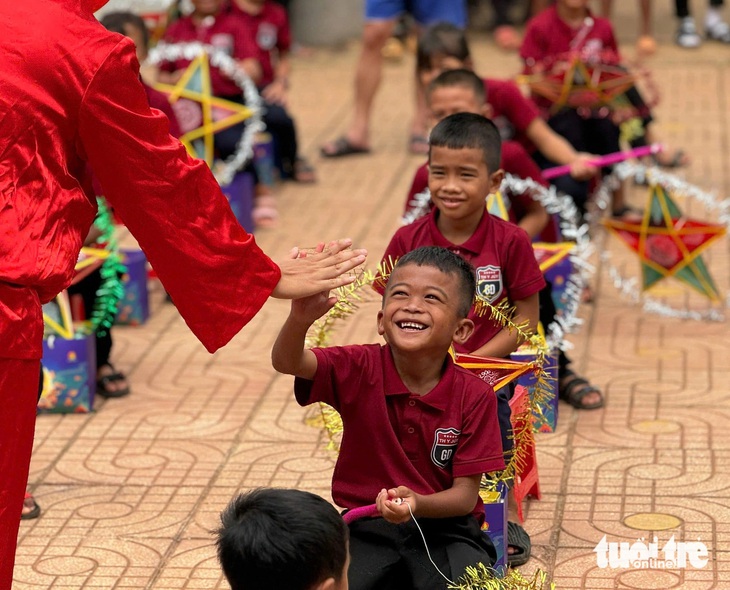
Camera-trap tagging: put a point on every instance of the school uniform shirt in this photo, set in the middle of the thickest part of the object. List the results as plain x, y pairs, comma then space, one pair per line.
393, 437
226, 32
503, 260
70, 96
270, 30
512, 112
515, 161
548, 39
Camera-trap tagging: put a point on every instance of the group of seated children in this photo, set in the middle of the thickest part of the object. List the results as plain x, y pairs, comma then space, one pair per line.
256, 34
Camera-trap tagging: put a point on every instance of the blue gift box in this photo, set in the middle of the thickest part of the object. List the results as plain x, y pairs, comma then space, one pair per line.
134, 308
495, 524
240, 193
558, 275
69, 375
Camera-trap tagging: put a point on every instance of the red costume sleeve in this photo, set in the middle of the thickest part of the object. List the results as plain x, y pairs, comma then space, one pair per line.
213, 270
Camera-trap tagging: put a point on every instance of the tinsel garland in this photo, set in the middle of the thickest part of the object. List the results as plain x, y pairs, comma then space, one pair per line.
629, 287
572, 229
111, 290
480, 577
224, 172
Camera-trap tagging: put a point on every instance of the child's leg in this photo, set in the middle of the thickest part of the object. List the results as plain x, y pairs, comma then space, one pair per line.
282, 128
375, 561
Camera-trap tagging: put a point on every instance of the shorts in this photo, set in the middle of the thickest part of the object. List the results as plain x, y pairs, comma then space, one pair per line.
426, 12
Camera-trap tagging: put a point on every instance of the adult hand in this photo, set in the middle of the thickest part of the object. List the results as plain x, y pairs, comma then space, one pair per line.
302, 276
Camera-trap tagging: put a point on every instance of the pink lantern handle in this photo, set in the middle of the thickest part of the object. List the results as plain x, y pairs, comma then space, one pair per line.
361, 512
607, 160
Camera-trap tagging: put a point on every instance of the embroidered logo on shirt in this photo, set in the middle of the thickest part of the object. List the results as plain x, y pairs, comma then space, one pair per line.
444, 445
489, 282
266, 36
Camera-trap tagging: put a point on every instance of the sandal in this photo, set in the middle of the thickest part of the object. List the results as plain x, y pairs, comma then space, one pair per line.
678, 159
342, 147
29, 504
576, 389
304, 171
264, 214
719, 31
418, 144
518, 538
103, 383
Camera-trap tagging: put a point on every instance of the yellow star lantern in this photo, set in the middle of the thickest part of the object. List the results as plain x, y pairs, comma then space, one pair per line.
497, 372
669, 244
547, 255
215, 114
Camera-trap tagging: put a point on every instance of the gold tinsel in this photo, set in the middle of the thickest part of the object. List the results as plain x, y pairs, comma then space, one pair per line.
481, 577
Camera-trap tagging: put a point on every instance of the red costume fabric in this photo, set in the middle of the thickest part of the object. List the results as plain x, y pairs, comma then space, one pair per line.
70, 97
393, 437
270, 29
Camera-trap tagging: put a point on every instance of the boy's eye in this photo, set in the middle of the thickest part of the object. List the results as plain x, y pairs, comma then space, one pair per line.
432, 296
398, 293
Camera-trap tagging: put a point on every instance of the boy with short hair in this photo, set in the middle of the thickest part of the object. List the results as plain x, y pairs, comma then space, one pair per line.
283, 539
416, 427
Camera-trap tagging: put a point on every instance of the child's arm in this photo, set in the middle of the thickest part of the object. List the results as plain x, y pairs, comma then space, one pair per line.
506, 342
252, 67
557, 149
277, 91
458, 500
289, 355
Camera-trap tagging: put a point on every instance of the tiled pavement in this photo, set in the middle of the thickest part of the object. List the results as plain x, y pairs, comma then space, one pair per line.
131, 492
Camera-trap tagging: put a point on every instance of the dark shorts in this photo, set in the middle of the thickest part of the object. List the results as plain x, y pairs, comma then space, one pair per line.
386, 556
426, 12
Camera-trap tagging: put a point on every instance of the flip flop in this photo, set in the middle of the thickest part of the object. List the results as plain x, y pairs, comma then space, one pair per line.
102, 384
304, 172
576, 389
518, 538
342, 147
678, 160
418, 144
29, 502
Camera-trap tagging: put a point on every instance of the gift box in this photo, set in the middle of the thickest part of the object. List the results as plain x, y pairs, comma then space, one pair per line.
134, 308
495, 524
69, 374
545, 419
558, 275
240, 193
263, 159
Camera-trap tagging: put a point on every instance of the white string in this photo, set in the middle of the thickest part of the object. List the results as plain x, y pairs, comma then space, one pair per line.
424, 541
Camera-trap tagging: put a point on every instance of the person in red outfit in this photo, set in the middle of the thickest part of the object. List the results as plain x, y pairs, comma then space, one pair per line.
70, 97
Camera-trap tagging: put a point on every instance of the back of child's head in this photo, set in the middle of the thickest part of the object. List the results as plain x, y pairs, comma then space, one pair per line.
440, 41
281, 539
469, 131
462, 78
448, 263
120, 22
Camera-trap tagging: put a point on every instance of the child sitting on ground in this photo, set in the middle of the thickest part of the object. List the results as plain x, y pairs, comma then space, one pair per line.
280, 539
269, 27
461, 91
417, 428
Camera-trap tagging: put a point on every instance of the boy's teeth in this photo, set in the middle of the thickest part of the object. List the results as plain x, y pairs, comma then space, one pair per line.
412, 325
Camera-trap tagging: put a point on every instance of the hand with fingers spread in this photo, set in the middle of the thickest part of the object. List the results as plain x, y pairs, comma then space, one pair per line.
327, 268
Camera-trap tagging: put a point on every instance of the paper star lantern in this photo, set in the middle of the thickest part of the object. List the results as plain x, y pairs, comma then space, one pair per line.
497, 372
575, 84
209, 115
669, 244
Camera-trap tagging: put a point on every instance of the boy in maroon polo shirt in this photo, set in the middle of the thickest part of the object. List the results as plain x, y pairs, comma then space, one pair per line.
416, 427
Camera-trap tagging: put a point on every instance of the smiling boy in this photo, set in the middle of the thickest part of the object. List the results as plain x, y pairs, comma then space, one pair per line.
416, 426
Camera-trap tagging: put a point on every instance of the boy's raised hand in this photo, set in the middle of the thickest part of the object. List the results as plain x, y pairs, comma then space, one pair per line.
310, 309
393, 504
328, 268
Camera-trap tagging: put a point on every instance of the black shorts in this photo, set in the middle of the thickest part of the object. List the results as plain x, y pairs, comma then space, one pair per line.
387, 556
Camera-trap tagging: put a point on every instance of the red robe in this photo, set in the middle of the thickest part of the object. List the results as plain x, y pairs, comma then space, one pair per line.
70, 96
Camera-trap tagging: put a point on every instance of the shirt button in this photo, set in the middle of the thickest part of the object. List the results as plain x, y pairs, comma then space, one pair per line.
412, 403
411, 430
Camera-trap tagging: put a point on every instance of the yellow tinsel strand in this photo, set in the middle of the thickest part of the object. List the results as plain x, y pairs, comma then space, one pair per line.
480, 577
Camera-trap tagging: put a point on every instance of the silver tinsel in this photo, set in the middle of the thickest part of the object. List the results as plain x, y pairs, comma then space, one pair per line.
572, 230
224, 172
629, 287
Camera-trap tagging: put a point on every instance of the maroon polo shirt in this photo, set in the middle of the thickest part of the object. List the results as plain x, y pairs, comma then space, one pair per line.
512, 112
515, 161
270, 29
225, 31
501, 254
393, 437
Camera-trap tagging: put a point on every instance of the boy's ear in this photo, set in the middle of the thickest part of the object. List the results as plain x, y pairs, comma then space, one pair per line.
495, 180
328, 584
381, 327
487, 110
463, 331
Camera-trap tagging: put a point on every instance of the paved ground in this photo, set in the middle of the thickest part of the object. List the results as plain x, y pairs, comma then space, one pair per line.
131, 492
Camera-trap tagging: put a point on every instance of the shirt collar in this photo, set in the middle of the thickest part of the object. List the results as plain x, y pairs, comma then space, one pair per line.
474, 245
437, 398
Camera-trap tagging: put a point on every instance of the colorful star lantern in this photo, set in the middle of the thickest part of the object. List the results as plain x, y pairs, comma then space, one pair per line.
575, 84
202, 115
497, 372
547, 255
669, 243
89, 260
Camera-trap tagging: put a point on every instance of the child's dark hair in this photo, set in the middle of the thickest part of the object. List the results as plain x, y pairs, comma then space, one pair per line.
442, 39
461, 78
467, 130
117, 21
281, 539
449, 263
